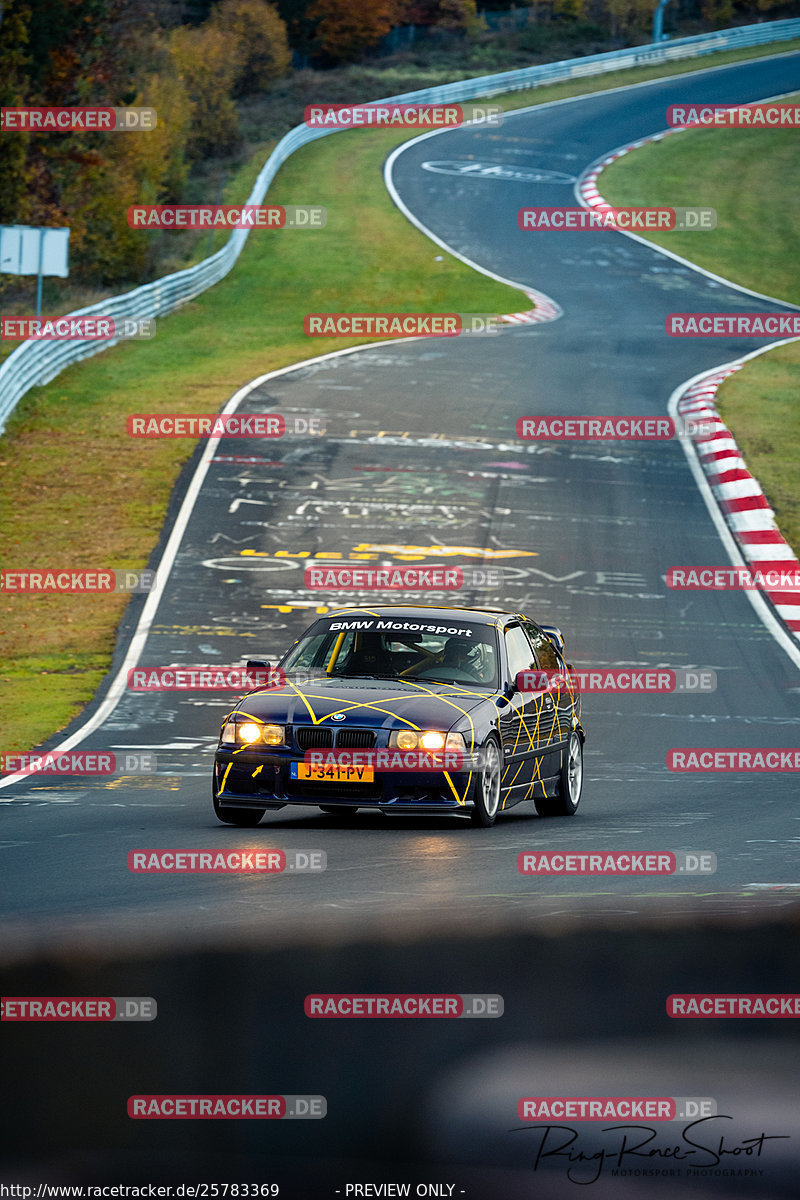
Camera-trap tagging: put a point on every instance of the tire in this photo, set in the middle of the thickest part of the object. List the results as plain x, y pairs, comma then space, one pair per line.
486, 788
245, 818
570, 783
338, 810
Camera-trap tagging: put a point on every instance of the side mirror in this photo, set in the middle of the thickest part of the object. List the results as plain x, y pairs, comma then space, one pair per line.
533, 680
528, 681
256, 664
555, 636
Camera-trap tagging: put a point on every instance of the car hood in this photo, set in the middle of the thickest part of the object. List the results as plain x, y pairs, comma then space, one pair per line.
371, 703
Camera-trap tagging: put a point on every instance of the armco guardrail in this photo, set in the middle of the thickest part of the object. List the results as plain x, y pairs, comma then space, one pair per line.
37, 362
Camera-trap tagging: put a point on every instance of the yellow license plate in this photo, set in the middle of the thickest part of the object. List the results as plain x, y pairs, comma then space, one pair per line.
338, 774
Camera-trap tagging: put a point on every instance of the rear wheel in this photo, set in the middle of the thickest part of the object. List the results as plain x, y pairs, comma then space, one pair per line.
570, 783
486, 793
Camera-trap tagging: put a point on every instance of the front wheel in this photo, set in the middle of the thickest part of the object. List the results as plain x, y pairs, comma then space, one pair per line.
570, 783
486, 794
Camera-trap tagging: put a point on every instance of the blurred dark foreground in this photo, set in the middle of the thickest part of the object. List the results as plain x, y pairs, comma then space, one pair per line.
427, 1104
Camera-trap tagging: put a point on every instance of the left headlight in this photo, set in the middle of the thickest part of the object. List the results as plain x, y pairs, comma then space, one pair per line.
426, 739
247, 733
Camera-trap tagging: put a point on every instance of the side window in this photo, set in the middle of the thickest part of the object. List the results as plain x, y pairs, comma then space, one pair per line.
518, 651
546, 652
309, 657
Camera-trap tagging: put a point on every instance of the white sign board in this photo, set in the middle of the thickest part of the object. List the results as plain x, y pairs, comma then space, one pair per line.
28, 250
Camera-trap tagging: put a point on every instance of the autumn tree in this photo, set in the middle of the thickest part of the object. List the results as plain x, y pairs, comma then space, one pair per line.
262, 49
455, 16
13, 79
344, 32
460, 16
81, 52
205, 59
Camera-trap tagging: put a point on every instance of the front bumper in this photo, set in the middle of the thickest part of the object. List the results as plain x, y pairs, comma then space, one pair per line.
252, 779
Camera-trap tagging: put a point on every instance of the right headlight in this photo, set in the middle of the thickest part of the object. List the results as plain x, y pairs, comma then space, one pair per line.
426, 739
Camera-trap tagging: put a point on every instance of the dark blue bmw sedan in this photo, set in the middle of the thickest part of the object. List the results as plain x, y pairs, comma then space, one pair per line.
408, 709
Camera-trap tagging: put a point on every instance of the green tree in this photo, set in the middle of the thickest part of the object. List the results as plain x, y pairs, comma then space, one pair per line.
573, 10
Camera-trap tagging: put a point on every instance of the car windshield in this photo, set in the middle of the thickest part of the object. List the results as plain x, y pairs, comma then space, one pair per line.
391, 648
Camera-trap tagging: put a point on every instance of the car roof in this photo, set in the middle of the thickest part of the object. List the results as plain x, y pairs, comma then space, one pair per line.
492, 615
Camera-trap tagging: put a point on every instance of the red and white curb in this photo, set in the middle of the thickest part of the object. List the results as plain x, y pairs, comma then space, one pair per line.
546, 310
739, 495
587, 185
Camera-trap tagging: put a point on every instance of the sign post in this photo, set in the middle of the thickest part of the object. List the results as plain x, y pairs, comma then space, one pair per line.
34, 250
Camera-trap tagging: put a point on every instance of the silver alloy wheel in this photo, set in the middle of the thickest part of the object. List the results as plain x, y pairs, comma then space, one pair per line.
490, 782
575, 768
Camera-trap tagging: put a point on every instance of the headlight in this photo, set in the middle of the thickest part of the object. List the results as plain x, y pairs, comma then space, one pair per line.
455, 741
403, 739
249, 732
427, 739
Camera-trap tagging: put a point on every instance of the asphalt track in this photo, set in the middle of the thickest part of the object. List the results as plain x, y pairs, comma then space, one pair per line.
420, 451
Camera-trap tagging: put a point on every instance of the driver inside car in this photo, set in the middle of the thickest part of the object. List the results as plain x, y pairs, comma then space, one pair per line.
457, 653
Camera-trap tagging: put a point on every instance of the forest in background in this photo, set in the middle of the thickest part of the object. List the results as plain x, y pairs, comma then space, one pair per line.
228, 77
